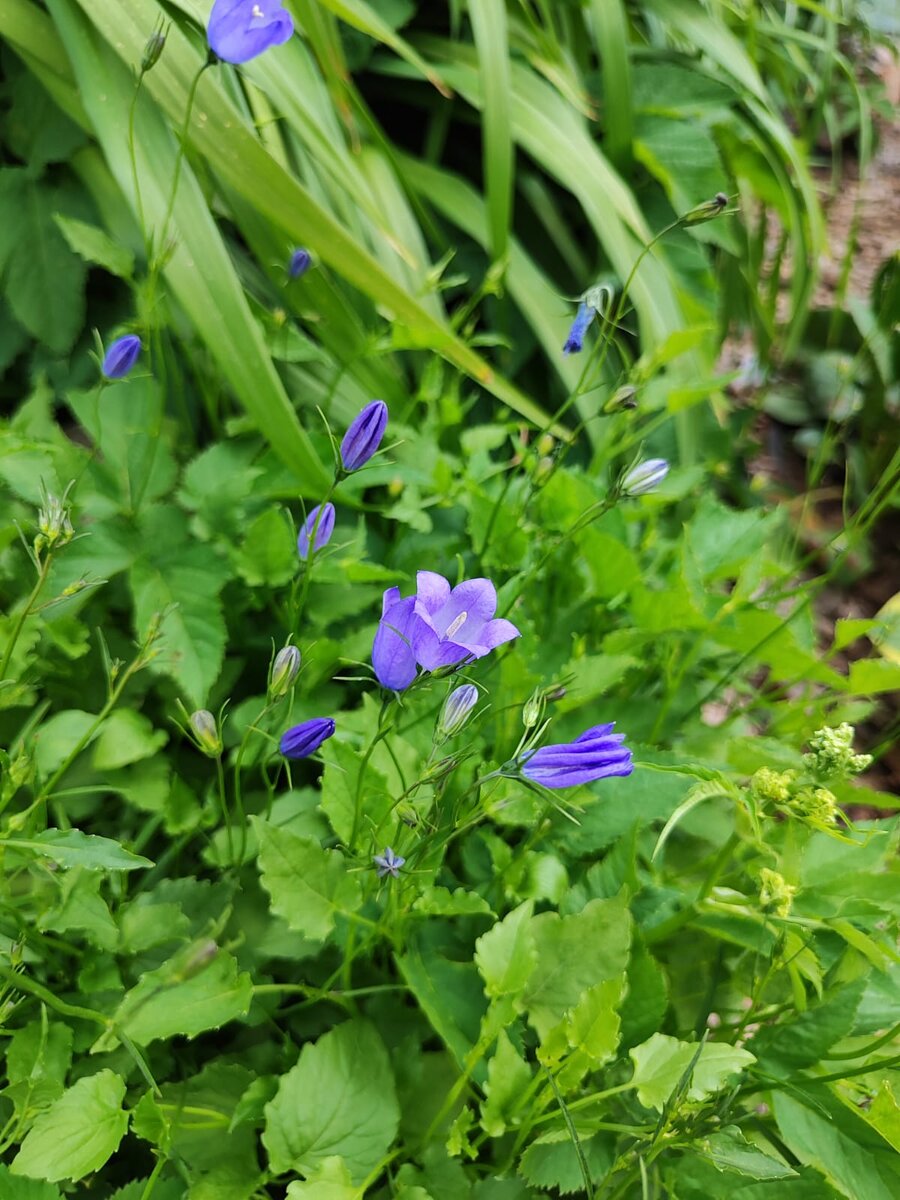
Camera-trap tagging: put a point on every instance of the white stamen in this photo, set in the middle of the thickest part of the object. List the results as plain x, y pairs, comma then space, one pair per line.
456, 624
256, 11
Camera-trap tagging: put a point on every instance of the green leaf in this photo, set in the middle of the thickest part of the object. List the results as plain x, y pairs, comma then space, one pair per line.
125, 738
729, 1150
661, 1061
81, 907
508, 1075
308, 885
506, 955
72, 848
268, 555
592, 1026
871, 676
12, 1188
551, 1161
44, 280
784, 1048
450, 993
181, 998
337, 1101
181, 579
646, 999
58, 737
78, 1133
573, 954
330, 1181
37, 1062
96, 246
349, 804
850, 1167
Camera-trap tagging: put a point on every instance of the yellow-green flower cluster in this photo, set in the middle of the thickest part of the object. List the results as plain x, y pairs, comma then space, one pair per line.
831, 753
776, 895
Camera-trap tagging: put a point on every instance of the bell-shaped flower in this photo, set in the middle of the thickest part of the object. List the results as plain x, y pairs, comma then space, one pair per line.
456, 624
316, 530
239, 30
121, 356
364, 436
393, 656
304, 739
595, 755
575, 341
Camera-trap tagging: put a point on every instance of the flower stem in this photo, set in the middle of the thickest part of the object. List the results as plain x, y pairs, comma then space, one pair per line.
24, 614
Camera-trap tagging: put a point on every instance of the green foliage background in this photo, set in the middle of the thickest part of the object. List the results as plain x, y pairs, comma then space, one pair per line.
583, 993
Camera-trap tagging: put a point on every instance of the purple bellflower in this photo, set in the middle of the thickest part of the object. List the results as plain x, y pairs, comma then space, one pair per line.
239, 30
438, 627
323, 532
595, 755
645, 477
304, 739
299, 263
364, 436
388, 863
575, 341
121, 356
456, 709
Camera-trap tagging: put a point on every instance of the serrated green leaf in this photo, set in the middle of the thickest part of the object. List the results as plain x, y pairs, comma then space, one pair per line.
791, 1044
730, 1151
329, 1181
551, 1161
125, 738
338, 1100
78, 1133
171, 1000
506, 955
349, 806
507, 1078
661, 1061
309, 886
268, 555
96, 246
37, 1062
12, 1188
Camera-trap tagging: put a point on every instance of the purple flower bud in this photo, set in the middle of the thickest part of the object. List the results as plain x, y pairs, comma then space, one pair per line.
388, 863
121, 356
299, 263
364, 436
575, 341
239, 30
304, 739
284, 672
597, 754
645, 477
322, 527
456, 709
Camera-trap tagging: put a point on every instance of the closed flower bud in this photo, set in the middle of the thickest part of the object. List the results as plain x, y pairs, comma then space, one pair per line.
284, 672
156, 43
316, 530
364, 436
645, 477
707, 211
54, 523
456, 710
771, 787
121, 356
775, 894
533, 710
299, 263
205, 730
622, 398
305, 739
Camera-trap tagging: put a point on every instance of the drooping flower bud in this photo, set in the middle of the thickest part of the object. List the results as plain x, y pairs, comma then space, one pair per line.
284, 672
121, 356
364, 436
304, 739
456, 710
156, 43
205, 730
645, 477
299, 263
622, 398
316, 530
707, 211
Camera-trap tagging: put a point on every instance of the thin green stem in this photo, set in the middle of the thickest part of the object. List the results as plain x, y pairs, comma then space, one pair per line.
226, 816
24, 614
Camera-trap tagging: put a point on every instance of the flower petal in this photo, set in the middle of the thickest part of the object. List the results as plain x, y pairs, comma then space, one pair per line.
494, 634
432, 590
477, 598
392, 653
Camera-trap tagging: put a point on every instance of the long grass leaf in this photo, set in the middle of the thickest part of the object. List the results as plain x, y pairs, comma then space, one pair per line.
488, 19
610, 28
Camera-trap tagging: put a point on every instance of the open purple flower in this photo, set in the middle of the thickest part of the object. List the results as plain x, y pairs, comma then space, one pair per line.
595, 755
304, 739
364, 436
121, 356
575, 341
239, 30
438, 627
388, 863
323, 527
